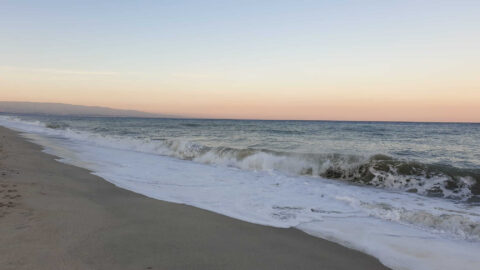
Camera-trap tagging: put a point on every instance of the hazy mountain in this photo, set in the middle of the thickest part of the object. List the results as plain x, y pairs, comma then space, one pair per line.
68, 109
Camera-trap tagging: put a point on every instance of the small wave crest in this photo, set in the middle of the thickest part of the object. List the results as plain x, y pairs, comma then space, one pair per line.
454, 223
461, 224
56, 125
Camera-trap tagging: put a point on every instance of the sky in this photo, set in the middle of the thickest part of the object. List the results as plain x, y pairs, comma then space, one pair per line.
315, 60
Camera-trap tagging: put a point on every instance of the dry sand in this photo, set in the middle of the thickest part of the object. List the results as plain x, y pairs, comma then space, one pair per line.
56, 216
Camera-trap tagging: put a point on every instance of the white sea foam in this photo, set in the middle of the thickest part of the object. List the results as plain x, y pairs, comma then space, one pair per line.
403, 230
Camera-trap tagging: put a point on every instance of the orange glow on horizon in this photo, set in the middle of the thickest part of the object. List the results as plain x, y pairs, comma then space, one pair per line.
315, 60
368, 98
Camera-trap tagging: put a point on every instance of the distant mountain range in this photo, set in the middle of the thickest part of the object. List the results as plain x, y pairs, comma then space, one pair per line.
72, 110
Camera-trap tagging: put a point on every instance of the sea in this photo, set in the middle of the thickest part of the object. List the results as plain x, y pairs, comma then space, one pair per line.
405, 193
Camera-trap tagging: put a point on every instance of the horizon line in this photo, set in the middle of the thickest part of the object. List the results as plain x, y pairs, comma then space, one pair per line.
238, 119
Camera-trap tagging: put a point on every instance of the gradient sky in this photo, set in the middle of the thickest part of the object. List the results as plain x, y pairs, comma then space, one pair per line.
335, 60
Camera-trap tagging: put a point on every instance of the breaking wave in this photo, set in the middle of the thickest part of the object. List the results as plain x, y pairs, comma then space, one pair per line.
378, 170
56, 125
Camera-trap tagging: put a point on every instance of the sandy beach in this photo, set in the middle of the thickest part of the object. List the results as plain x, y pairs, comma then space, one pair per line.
57, 216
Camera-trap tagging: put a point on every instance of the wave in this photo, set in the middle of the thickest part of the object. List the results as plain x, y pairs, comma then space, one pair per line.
379, 170
56, 125
452, 222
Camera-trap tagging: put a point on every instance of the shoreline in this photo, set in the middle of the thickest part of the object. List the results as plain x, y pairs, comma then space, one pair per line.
58, 216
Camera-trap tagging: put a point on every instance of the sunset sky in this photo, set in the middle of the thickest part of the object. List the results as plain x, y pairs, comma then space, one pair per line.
332, 60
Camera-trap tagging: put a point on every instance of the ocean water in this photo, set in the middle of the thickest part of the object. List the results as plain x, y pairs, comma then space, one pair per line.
406, 193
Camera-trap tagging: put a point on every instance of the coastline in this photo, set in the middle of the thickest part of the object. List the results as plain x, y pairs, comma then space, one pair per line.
63, 217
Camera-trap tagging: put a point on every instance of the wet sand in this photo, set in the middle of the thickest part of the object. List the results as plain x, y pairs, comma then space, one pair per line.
57, 216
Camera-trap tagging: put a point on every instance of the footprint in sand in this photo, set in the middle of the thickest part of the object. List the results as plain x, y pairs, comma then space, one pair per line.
11, 194
7, 204
8, 196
